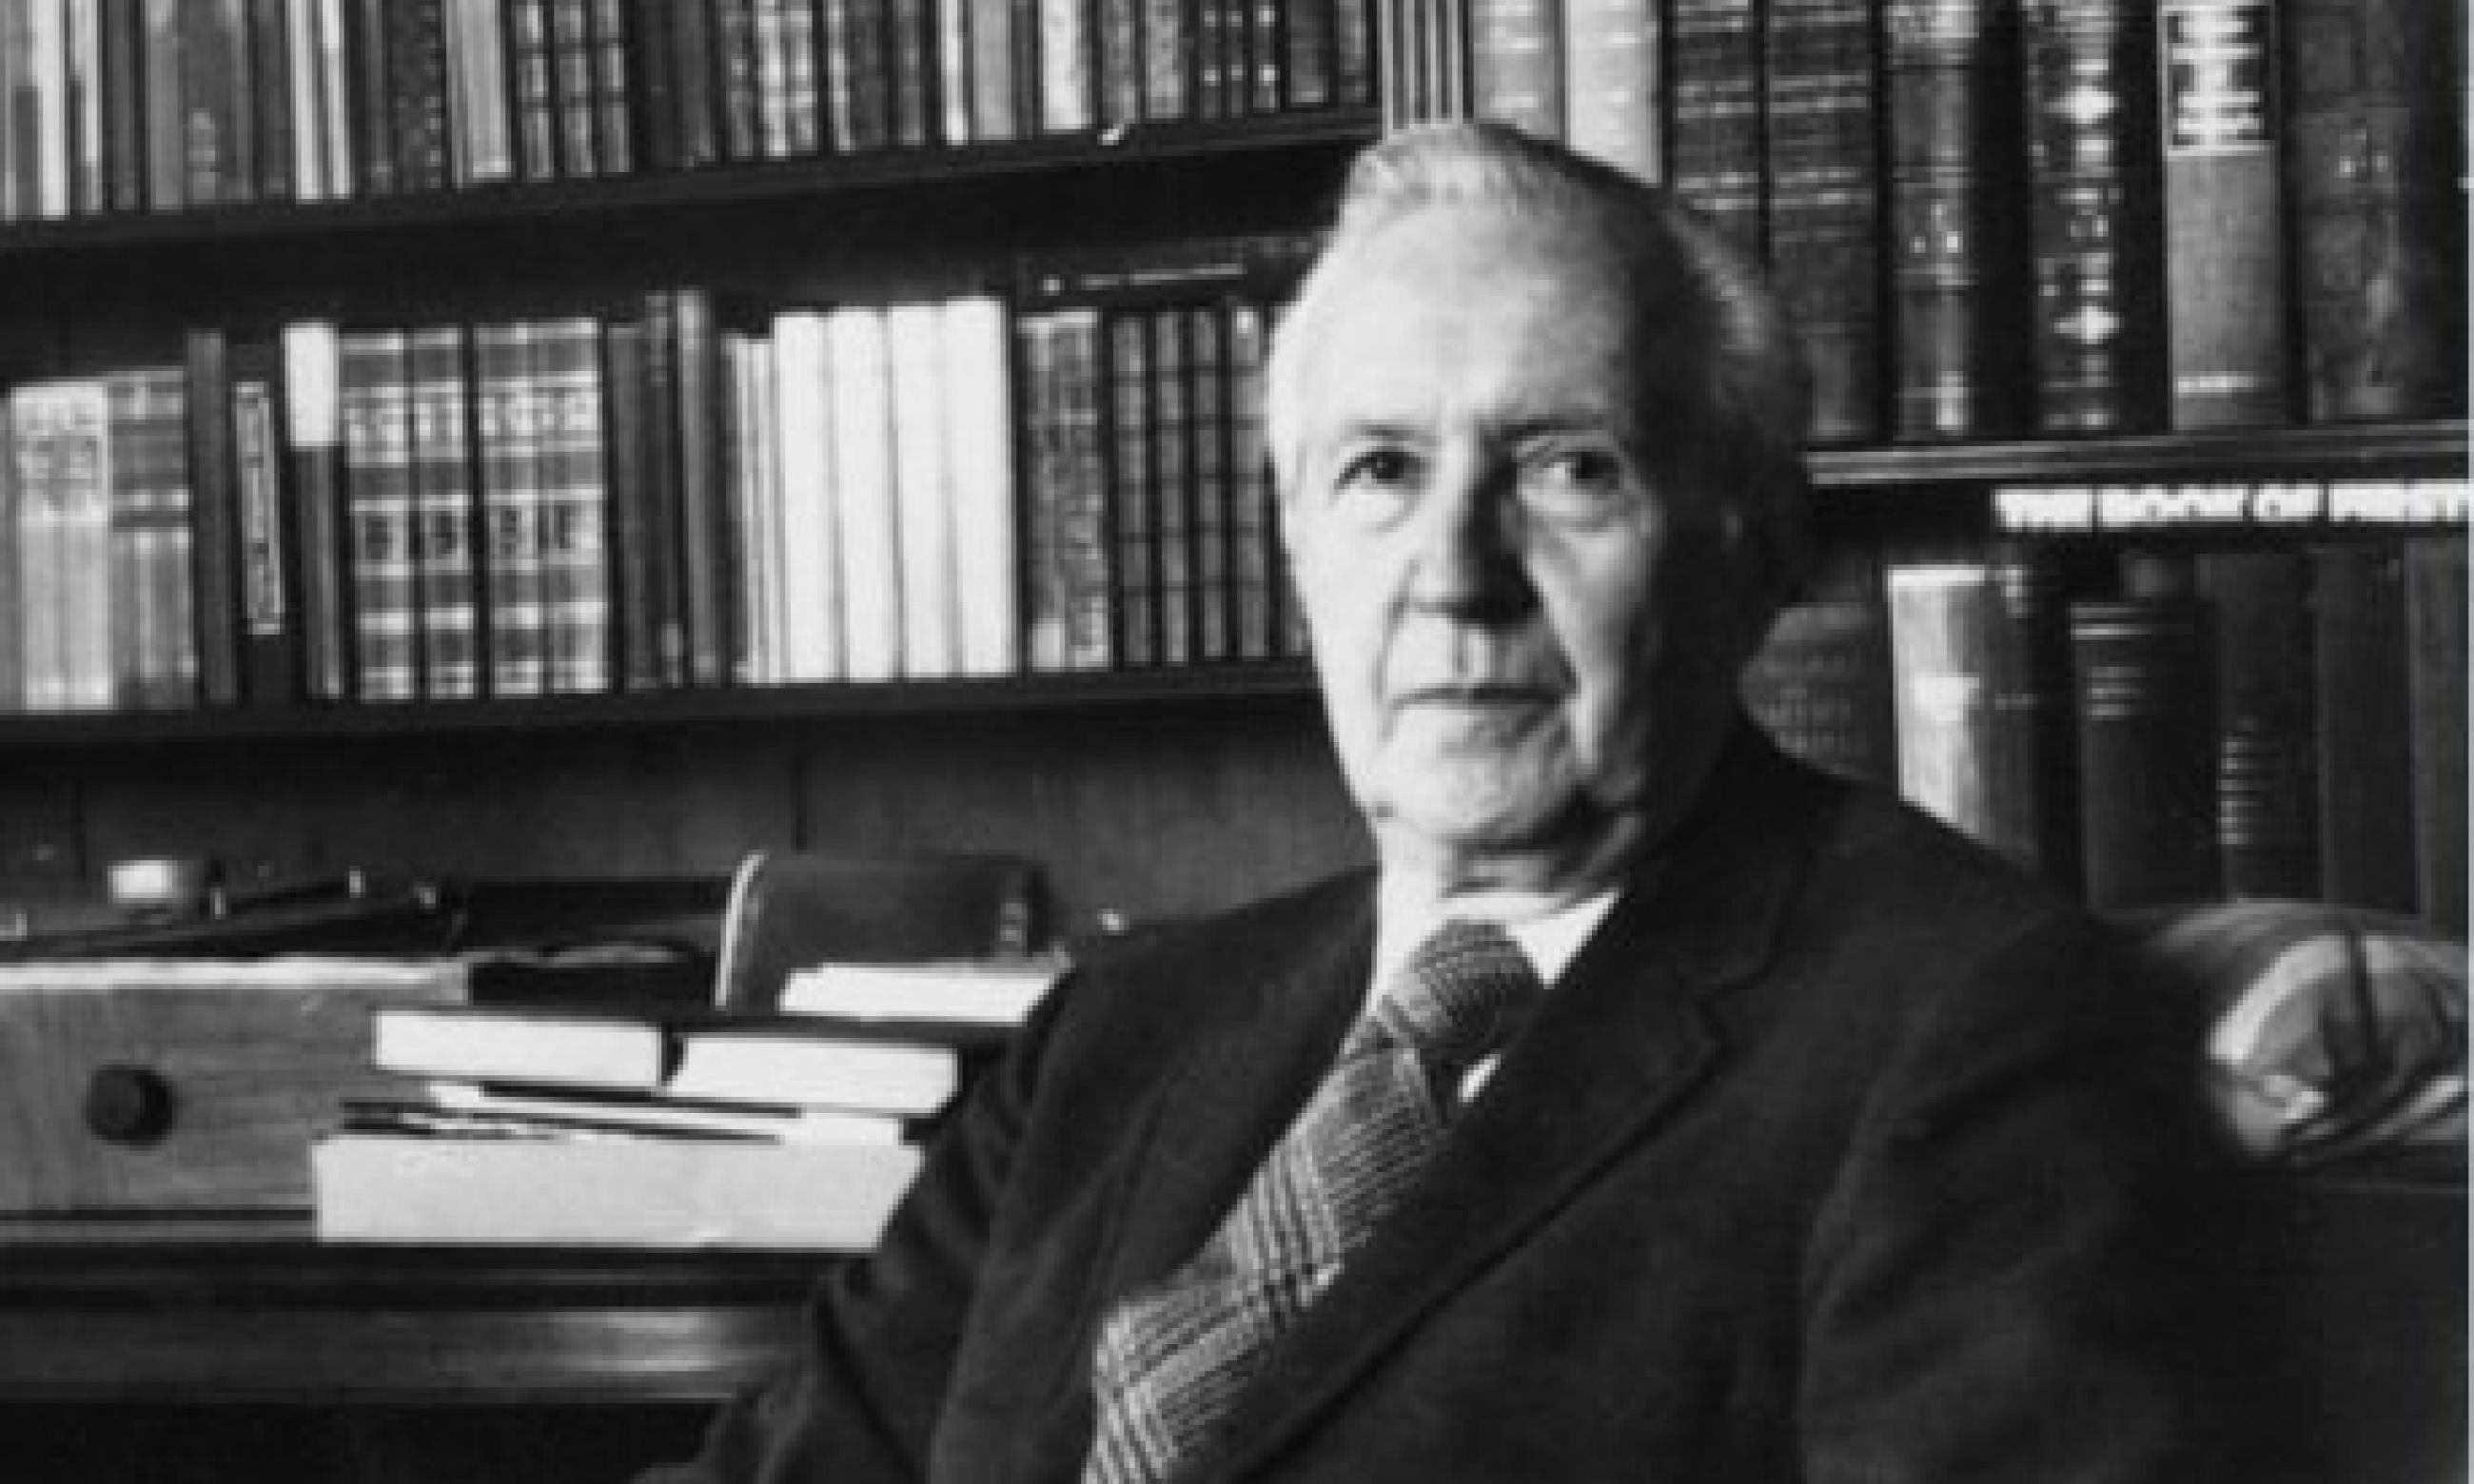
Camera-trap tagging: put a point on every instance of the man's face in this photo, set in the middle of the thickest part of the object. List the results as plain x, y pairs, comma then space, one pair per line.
1525, 644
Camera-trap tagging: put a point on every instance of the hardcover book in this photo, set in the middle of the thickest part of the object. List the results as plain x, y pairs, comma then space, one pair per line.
215, 516
2360, 706
506, 427
869, 533
154, 609
2268, 760
377, 394
313, 438
923, 507
1821, 121
1821, 683
2437, 658
2145, 699
1714, 149
1516, 63
444, 512
574, 525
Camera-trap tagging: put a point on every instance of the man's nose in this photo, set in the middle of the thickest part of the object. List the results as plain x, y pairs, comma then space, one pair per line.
1467, 556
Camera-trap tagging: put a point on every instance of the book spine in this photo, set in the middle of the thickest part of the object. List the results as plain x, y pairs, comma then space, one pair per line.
2095, 249
2225, 326
923, 499
310, 173
1169, 71
735, 55
2379, 230
1713, 147
573, 89
62, 437
481, 87
803, 90
1133, 487
124, 99
1173, 492
660, 123
912, 31
214, 576
996, 83
1306, 45
1215, 491
2143, 697
2268, 766
1253, 559
666, 587
313, 435
369, 102
417, 83
270, 70
167, 543
1067, 96
377, 464
1820, 684
1952, 68
1117, 32
812, 600
1941, 690
339, 131
85, 108
436, 361
145, 461
1518, 65
860, 87
705, 591
695, 38
575, 504
532, 68
869, 530
166, 113
274, 671
2365, 720
508, 438
978, 422
1038, 352
1821, 121
2436, 675
615, 71
1614, 54
2034, 765
13, 584
750, 520
633, 539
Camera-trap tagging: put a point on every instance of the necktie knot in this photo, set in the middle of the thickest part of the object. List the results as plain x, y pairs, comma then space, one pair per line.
1460, 996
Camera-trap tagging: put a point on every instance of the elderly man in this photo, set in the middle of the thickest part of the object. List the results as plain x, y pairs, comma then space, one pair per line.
1657, 1108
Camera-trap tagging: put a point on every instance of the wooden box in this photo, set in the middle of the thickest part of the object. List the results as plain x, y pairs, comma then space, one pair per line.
172, 1085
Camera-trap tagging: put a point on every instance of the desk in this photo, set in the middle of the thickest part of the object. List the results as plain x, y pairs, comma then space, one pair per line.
128, 1345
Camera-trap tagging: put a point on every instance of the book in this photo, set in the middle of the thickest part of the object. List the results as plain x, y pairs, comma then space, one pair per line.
1957, 260
923, 501
506, 441
2144, 701
2095, 248
1715, 149
868, 521
1613, 57
733, 1056
166, 79
481, 87
123, 24
375, 396
533, 106
997, 75
811, 597
1066, 90
573, 89
753, 527
2361, 707
60, 435
2220, 117
1940, 630
966, 992
2268, 763
616, 70
418, 121
1821, 118
271, 121
573, 473
2034, 765
977, 417
665, 577
213, 117
313, 440
154, 602
627, 1192
699, 379
1516, 63
1171, 487
1254, 559
1129, 388
858, 80
12, 612
445, 510
1820, 684
470, 1108
215, 516
2378, 225
2435, 674
1068, 550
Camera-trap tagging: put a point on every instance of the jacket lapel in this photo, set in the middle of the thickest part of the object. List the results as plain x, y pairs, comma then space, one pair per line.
1625, 1036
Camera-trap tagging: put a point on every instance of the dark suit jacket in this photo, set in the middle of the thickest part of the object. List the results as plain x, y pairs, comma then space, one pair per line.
1835, 1156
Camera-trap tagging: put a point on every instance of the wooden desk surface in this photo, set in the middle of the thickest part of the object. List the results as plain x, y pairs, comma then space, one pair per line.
255, 1310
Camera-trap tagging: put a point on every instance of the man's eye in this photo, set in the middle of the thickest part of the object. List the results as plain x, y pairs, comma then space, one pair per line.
1379, 468
1575, 478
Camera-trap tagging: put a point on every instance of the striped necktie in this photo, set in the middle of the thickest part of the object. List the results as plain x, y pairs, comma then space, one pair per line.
1173, 1359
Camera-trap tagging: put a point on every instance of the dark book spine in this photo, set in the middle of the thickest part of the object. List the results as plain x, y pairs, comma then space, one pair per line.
2435, 674
860, 76
2378, 227
1820, 684
156, 614
2357, 666
272, 122
313, 435
1208, 414
735, 55
2225, 326
376, 393
533, 71
659, 107
634, 540
1956, 252
416, 56
2035, 788
2147, 749
703, 488
12, 586
164, 68
370, 78
695, 75
269, 533
444, 512
214, 84
124, 102
2267, 764
1253, 560
911, 31
2094, 243
1822, 121
1713, 146
665, 588
1306, 45
216, 549
1173, 486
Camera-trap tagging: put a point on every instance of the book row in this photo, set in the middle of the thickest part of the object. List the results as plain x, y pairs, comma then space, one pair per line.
2064, 216
2156, 724
174, 105
684, 496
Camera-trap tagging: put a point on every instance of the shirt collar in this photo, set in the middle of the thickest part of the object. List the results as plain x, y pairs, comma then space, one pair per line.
1550, 938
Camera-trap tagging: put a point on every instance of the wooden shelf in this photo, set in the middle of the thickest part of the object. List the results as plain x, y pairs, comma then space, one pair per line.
687, 191
2329, 451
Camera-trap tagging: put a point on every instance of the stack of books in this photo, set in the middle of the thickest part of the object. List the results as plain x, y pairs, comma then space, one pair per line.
640, 1124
